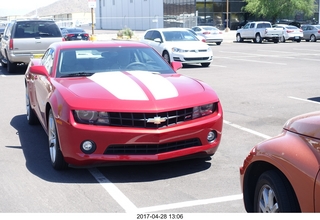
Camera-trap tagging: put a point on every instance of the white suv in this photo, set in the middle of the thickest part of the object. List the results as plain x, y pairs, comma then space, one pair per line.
22, 39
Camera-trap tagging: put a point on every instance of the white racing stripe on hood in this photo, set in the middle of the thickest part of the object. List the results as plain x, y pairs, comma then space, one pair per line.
120, 85
159, 86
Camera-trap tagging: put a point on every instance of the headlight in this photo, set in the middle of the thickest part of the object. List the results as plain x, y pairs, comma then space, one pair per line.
175, 49
203, 110
91, 117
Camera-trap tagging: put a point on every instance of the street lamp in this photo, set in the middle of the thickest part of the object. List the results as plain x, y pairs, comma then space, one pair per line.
227, 23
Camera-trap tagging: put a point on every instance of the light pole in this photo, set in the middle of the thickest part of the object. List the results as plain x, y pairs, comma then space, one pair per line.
227, 20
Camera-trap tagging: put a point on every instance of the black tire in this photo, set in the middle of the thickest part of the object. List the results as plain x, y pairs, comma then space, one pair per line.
283, 39
56, 156
166, 56
218, 43
273, 193
239, 38
11, 67
205, 64
31, 115
313, 38
258, 38
276, 40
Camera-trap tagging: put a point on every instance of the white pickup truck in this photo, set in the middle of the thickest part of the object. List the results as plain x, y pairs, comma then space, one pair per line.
259, 31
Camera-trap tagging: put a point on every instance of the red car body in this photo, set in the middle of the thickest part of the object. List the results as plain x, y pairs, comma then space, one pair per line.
291, 161
125, 95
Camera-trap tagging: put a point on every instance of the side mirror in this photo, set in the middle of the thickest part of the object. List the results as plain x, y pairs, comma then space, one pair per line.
158, 40
40, 70
176, 65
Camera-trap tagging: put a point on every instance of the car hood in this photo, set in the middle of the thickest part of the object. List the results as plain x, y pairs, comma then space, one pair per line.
135, 90
199, 45
306, 124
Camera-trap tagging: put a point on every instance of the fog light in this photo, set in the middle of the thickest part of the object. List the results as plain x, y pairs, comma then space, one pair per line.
212, 135
88, 147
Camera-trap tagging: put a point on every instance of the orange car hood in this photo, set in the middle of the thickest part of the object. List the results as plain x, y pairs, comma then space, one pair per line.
306, 124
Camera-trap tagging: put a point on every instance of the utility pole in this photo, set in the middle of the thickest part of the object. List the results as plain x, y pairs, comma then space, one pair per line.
227, 18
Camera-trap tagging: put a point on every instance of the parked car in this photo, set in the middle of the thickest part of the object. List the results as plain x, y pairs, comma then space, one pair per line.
178, 44
75, 34
282, 174
290, 32
311, 32
25, 38
258, 31
210, 33
108, 102
199, 36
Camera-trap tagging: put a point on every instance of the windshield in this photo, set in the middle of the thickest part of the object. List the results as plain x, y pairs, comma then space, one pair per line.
84, 62
179, 36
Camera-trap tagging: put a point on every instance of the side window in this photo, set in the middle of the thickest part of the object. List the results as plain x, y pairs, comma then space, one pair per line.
252, 25
246, 26
7, 32
47, 60
156, 34
148, 35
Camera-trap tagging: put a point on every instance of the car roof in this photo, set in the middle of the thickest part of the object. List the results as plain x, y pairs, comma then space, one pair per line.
97, 44
168, 29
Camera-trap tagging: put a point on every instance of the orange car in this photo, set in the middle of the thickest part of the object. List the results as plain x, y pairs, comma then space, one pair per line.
282, 174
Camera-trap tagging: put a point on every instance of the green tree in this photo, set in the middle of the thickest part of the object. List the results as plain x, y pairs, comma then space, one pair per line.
275, 9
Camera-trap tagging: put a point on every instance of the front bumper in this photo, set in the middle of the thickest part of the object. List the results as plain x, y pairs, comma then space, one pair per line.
193, 57
72, 135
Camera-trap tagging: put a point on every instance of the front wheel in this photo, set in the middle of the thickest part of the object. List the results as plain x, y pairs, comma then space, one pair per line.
239, 38
57, 159
205, 64
166, 56
273, 193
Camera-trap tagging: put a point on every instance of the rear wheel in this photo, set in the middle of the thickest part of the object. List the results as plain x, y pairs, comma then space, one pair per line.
258, 38
11, 67
273, 193
218, 43
313, 38
57, 159
31, 115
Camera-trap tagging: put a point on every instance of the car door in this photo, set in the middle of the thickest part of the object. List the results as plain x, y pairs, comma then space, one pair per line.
156, 41
306, 31
245, 30
42, 84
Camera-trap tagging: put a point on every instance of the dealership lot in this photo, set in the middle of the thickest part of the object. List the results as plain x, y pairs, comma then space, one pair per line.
260, 86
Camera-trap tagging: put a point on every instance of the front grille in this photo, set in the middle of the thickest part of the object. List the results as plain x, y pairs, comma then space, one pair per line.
196, 58
150, 120
151, 149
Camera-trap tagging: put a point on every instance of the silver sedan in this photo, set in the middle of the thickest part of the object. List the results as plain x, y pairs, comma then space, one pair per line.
311, 32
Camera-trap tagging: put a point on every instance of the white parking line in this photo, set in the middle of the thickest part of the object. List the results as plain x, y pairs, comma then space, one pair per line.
304, 100
246, 129
115, 193
254, 61
129, 207
191, 203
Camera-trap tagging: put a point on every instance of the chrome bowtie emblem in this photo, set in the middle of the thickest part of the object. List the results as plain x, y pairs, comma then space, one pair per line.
156, 120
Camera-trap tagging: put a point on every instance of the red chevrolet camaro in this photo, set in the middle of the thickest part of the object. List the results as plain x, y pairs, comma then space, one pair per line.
106, 102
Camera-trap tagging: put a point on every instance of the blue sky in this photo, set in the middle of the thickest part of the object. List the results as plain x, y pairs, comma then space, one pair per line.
22, 7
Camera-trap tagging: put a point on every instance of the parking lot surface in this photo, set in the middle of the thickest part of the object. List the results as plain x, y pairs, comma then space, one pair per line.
260, 87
